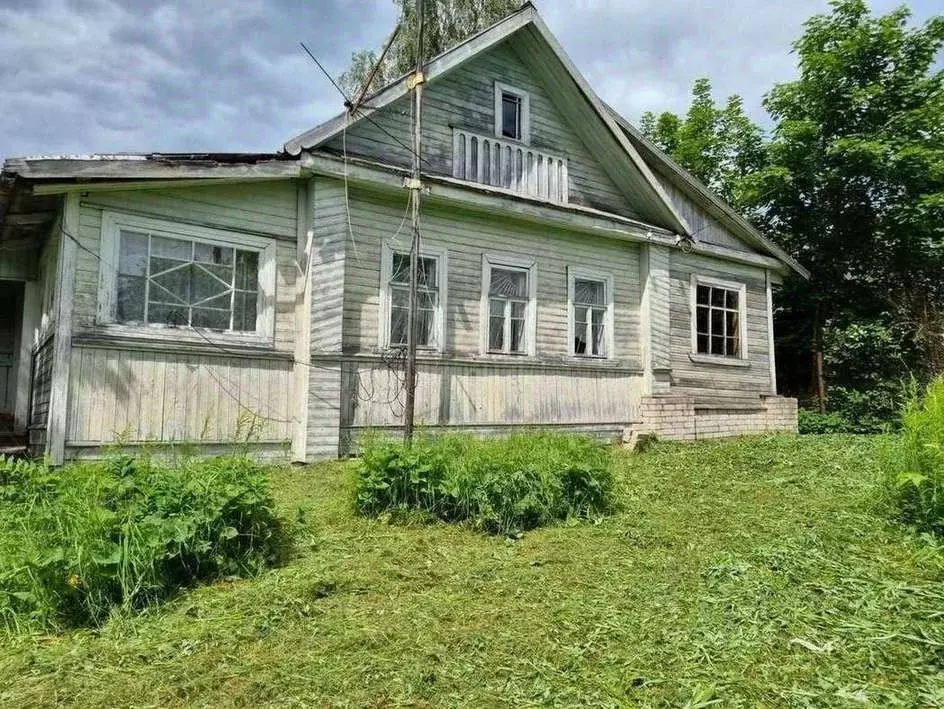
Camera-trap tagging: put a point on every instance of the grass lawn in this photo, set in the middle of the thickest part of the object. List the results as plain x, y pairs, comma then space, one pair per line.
756, 572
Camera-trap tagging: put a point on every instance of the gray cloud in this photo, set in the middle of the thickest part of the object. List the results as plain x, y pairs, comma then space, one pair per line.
130, 75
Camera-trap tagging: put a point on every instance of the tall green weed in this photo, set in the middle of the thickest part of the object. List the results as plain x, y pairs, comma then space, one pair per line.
914, 462
127, 532
500, 485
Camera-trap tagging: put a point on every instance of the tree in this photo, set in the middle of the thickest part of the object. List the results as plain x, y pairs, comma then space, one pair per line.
719, 146
447, 23
854, 187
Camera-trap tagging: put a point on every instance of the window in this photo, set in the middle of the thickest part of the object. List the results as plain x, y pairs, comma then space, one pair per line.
508, 312
591, 313
395, 297
176, 275
512, 113
719, 327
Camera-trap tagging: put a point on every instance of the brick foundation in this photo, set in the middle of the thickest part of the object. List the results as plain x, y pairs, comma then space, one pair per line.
681, 418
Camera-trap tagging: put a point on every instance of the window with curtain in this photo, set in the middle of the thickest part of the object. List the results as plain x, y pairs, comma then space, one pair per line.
590, 313
508, 300
427, 300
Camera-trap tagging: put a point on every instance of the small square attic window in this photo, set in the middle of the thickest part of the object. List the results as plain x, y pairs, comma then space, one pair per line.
512, 113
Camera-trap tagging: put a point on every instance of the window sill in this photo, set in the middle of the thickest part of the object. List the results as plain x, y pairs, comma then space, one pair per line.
178, 339
719, 360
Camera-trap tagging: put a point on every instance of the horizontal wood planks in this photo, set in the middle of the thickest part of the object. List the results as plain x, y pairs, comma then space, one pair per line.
466, 237
464, 98
126, 395
709, 382
267, 208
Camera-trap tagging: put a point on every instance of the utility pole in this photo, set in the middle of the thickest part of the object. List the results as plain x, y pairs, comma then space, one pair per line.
415, 186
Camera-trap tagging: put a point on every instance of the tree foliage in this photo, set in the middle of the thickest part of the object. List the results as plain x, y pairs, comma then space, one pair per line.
721, 146
447, 23
851, 182
854, 187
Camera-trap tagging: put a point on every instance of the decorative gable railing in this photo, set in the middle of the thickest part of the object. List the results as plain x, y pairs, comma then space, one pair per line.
488, 160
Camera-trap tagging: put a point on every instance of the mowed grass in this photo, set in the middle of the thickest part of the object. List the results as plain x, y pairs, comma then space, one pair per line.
754, 572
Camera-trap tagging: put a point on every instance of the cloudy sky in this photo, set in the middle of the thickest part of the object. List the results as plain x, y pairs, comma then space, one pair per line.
81, 76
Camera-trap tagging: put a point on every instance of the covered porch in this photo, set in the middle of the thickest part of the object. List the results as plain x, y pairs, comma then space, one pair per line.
26, 285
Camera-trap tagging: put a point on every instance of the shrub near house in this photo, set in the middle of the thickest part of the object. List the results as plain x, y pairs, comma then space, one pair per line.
78, 542
500, 485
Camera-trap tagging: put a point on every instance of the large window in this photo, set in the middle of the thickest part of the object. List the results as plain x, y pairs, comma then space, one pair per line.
430, 287
508, 288
591, 313
164, 274
719, 327
512, 113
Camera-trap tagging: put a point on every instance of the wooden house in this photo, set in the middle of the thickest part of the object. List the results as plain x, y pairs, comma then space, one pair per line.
572, 277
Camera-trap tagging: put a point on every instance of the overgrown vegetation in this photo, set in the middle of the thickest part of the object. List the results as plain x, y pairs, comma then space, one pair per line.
500, 485
756, 572
78, 542
914, 462
850, 181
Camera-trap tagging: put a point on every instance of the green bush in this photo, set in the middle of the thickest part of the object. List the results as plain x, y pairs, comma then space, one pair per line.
914, 462
813, 422
500, 485
77, 542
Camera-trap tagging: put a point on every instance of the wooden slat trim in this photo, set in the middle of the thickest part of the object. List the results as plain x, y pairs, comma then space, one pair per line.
62, 345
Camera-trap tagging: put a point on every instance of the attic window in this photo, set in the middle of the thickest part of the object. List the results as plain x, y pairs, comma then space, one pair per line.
512, 113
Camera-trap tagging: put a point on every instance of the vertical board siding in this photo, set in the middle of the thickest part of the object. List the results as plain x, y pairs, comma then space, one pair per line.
706, 382
465, 98
330, 257
466, 237
163, 394
128, 396
462, 394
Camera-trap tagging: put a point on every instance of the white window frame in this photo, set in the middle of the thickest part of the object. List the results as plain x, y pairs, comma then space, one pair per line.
386, 300
530, 332
741, 290
113, 222
525, 99
575, 273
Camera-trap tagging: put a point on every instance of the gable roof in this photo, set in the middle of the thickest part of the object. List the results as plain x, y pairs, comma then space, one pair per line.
704, 197
579, 103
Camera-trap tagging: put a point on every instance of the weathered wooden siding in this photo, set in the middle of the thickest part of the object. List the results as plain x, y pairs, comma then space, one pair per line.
709, 383
705, 227
40, 389
263, 209
465, 98
167, 390
466, 237
465, 389
457, 393
129, 396
328, 269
